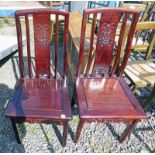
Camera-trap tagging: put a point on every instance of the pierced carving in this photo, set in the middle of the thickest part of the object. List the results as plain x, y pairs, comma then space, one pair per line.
106, 37
43, 73
100, 71
42, 35
111, 121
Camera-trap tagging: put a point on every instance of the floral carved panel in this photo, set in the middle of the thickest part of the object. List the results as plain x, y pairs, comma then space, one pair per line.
42, 35
106, 36
105, 42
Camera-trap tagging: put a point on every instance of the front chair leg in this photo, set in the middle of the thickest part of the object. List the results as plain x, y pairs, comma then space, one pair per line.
78, 131
128, 131
15, 130
65, 129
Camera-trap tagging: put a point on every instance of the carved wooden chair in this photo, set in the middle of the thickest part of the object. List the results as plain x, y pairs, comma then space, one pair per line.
102, 96
41, 96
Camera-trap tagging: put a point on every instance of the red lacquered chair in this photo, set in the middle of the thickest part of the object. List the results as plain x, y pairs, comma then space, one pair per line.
103, 95
41, 96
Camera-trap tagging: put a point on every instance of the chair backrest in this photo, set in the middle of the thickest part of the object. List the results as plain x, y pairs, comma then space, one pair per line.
106, 46
40, 31
138, 7
146, 8
144, 38
148, 28
143, 8
149, 12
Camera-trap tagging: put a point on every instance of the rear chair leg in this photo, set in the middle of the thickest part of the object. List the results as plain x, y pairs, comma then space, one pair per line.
148, 102
78, 131
128, 131
73, 98
130, 85
134, 89
15, 130
71, 48
65, 129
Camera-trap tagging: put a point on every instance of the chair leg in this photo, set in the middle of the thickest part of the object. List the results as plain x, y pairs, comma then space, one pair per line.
130, 85
128, 131
73, 97
71, 48
134, 89
73, 100
15, 130
78, 130
150, 98
65, 129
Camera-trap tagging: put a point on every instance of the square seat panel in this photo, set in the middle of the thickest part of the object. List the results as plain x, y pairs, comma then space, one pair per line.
40, 98
107, 98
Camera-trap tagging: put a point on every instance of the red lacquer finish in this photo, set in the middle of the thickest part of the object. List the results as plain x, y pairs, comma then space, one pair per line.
106, 38
28, 46
41, 97
104, 96
42, 31
91, 42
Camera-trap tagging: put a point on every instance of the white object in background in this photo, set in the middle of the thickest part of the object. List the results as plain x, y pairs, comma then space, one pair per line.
79, 6
8, 45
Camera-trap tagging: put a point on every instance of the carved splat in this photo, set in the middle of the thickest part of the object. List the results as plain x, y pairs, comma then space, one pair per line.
105, 41
42, 32
106, 35
42, 35
43, 73
100, 71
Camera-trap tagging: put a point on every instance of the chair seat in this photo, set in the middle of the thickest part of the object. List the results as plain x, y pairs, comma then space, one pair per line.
142, 73
107, 98
41, 99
